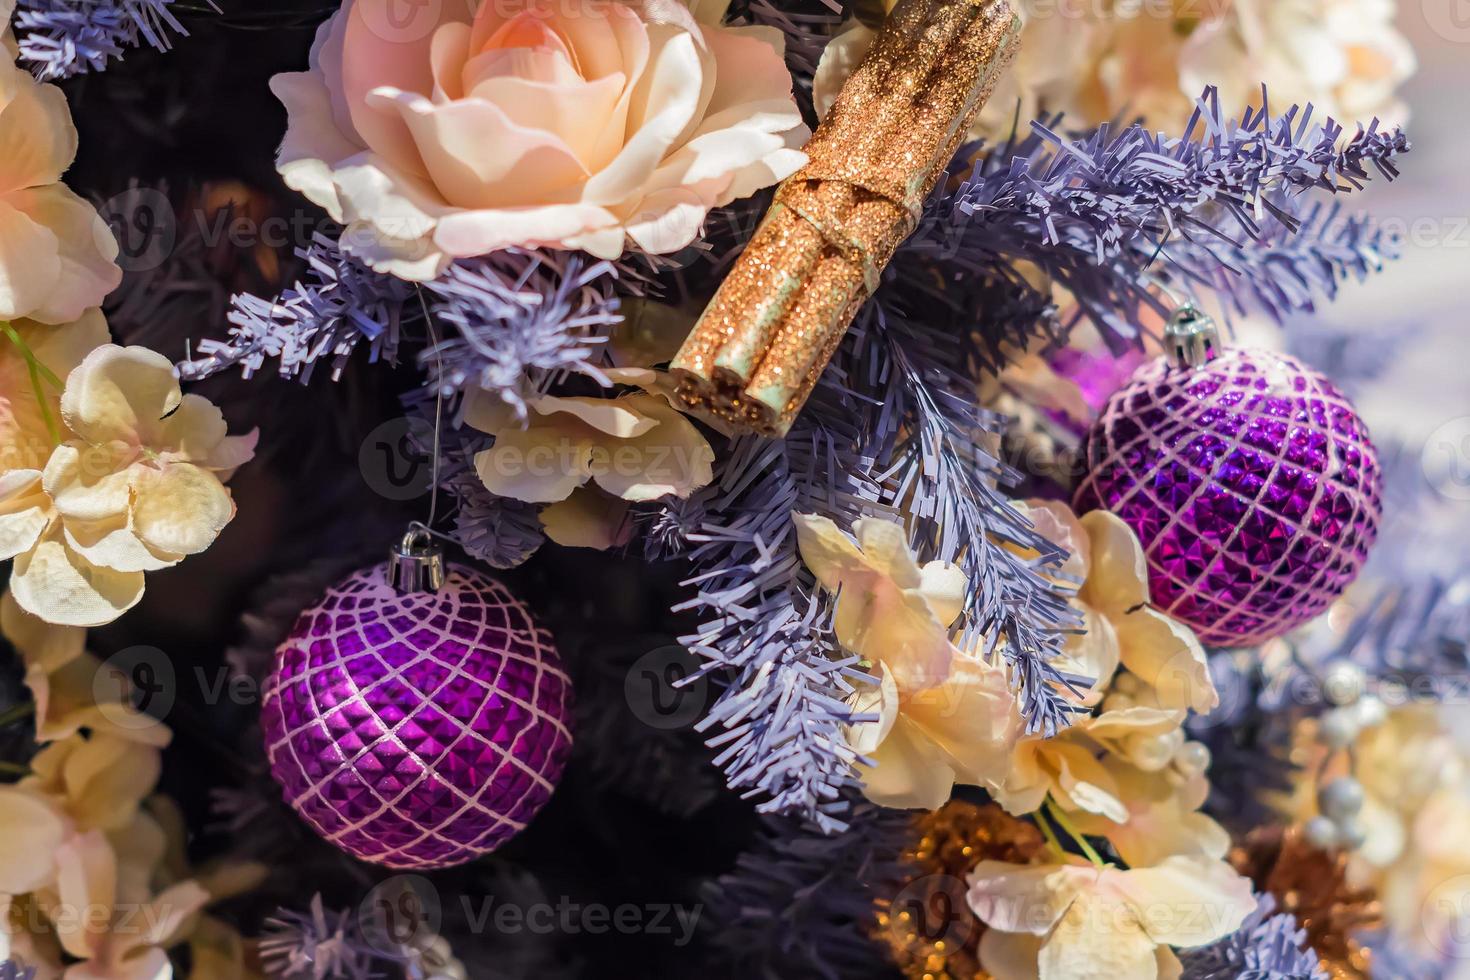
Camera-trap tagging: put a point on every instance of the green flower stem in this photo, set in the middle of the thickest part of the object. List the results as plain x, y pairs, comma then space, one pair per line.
1060, 817
39, 373
1049, 834
17, 713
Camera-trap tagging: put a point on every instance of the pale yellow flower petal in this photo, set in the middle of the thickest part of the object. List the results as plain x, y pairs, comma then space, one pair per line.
829, 554
1010, 955
621, 418
24, 511
86, 883
1024, 898
1167, 656
86, 251
151, 963
1187, 901
880, 701
194, 429
232, 453
945, 587
1093, 654
37, 139
885, 545
112, 544
970, 720
30, 263
1056, 522
120, 393
105, 778
536, 465
588, 519
31, 832
1084, 783
55, 583
179, 509
1118, 578
672, 458
1097, 940
907, 773
90, 483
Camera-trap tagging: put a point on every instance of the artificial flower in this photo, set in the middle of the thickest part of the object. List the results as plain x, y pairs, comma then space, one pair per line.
889, 610
1345, 57
137, 487
1095, 62
1076, 921
576, 125
587, 458
923, 742
35, 360
1122, 628
1050, 72
57, 255
65, 682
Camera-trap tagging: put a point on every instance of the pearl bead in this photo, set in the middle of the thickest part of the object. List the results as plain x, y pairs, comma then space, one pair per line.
1321, 832
1153, 752
1371, 710
1192, 758
1351, 835
1343, 683
1341, 799
1338, 728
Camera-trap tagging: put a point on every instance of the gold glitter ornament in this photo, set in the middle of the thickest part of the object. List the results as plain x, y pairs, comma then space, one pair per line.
927, 927
755, 354
1312, 885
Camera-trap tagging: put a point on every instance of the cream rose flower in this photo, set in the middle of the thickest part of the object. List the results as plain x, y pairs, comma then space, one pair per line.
57, 255
137, 487
1076, 921
577, 124
889, 610
588, 458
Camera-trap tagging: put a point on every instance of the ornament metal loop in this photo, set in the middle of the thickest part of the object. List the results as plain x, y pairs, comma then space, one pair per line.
416, 564
1191, 338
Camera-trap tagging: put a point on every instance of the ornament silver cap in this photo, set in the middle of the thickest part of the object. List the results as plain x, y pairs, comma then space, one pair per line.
415, 564
1191, 338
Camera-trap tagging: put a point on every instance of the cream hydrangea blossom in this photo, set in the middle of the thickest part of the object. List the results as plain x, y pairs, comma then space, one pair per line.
588, 458
1097, 61
889, 610
1124, 770
57, 255
1071, 920
941, 716
585, 124
136, 487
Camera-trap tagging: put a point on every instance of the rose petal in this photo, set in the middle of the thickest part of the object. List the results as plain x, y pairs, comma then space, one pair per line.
1118, 578
670, 459
112, 544
535, 465
1020, 898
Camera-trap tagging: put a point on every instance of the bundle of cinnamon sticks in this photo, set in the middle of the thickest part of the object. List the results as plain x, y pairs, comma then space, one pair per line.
755, 354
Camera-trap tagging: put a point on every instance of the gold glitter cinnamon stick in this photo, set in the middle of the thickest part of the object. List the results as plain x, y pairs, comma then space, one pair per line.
755, 354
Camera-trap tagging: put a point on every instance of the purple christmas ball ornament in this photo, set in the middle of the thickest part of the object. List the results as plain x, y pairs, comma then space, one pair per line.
417, 730
1250, 481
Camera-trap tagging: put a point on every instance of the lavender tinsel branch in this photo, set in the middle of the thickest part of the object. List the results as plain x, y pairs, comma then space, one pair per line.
1267, 946
338, 306
1213, 208
62, 38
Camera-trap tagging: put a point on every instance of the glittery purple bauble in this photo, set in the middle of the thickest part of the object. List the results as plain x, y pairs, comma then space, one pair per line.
417, 731
1250, 481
